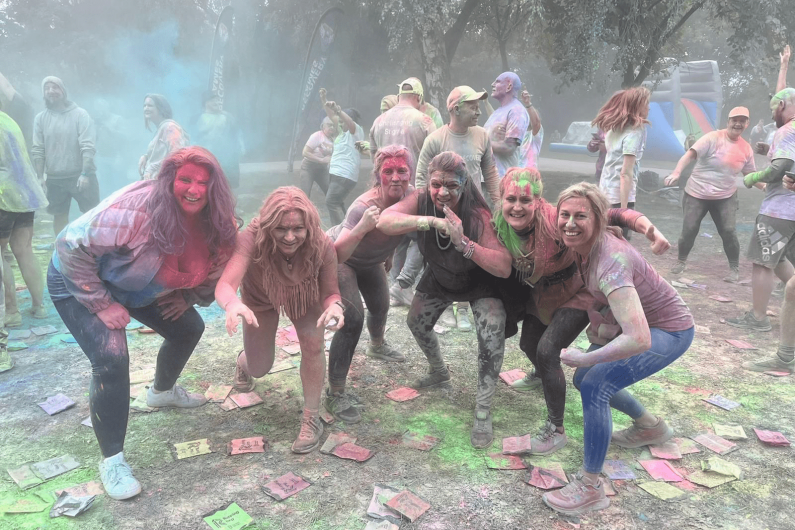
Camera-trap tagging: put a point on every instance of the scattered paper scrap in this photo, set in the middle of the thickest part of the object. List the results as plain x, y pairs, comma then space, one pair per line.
142, 376
667, 451
146, 330
719, 465
730, 432
292, 349
777, 374
29, 504
722, 402
193, 448
351, 451
678, 284
709, 479
743, 345
17, 345
610, 489
290, 334
83, 490
720, 298
230, 518
326, 416
772, 438
57, 403
69, 505
703, 329
55, 466
240, 446
661, 470
381, 525
249, 399
139, 404
25, 477
701, 286
334, 439
281, 365
686, 446
19, 334
285, 486
228, 405
419, 441
402, 394
512, 375
217, 393
378, 508
517, 445
686, 281
87, 422
663, 490
504, 462
439, 329
546, 478
69, 339
409, 505
715, 443
43, 330
618, 470
135, 390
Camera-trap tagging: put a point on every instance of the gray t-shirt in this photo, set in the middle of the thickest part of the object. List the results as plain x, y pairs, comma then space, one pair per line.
345, 159
630, 141
401, 125
779, 202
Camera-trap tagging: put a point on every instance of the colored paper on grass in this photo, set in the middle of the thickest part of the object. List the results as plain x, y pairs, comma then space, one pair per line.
290, 334
667, 451
722, 402
351, 451
701, 286
70, 505
703, 330
402, 394
146, 330
418, 441
679, 285
686, 281
29, 504
686, 446
57, 403
17, 345
618, 470
663, 490
248, 399
281, 365
720, 298
228, 405
512, 376
326, 416
777, 374
408, 505
230, 518
504, 462
546, 478
69, 339
381, 525
139, 404
142, 376
55, 466
729, 432
19, 334
87, 422
334, 439
517, 445
772, 438
610, 489
439, 329
285, 486
25, 477
217, 393
661, 470
135, 390
719, 465
378, 508
708, 479
83, 490
43, 330
193, 448
743, 345
715, 443
292, 349
239, 446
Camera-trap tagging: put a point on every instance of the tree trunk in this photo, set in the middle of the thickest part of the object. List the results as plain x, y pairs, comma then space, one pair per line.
504, 55
435, 63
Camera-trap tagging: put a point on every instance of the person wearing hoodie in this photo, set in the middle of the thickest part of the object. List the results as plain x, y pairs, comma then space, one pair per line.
64, 140
169, 137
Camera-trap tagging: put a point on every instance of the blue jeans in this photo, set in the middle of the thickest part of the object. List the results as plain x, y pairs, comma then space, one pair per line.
603, 386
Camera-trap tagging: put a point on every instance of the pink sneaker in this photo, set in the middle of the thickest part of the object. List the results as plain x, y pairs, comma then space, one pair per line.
578, 496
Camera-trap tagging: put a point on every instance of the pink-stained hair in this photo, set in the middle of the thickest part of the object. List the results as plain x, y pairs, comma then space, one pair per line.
623, 109
390, 151
519, 176
219, 222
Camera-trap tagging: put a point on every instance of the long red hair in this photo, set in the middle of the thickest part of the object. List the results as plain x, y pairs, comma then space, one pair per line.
624, 109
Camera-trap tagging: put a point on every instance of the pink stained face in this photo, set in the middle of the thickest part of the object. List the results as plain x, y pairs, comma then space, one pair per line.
395, 177
190, 188
445, 188
576, 222
290, 233
517, 206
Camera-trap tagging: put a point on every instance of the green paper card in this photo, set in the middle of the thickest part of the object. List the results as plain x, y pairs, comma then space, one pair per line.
231, 518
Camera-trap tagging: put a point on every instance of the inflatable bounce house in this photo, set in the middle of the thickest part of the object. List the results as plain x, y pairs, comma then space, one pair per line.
685, 101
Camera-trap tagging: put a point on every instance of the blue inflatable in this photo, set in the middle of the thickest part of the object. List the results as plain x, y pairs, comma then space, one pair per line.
661, 142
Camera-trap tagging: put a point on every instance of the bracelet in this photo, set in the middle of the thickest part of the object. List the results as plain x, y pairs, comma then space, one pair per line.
464, 244
423, 225
339, 303
470, 250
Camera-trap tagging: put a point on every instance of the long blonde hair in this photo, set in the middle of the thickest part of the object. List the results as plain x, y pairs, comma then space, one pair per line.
623, 109
599, 204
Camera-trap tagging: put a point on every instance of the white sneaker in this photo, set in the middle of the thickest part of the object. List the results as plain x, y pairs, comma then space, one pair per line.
448, 318
117, 478
462, 317
176, 397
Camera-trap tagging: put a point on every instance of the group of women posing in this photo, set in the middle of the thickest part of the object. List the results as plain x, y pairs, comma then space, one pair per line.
157, 248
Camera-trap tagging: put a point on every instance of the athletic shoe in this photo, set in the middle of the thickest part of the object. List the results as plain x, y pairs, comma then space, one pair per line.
733, 276
400, 296
5, 360
778, 290
385, 352
39, 312
548, 440
448, 318
748, 321
482, 434
309, 436
433, 379
176, 397
527, 383
679, 267
771, 364
339, 405
117, 478
463, 319
637, 436
243, 382
13, 320
578, 496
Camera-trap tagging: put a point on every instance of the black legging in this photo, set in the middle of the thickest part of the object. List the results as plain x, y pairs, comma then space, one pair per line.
109, 392
724, 215
542, 345
375, 290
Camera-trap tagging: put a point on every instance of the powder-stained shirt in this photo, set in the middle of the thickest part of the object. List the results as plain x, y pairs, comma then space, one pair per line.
513, 119
720, 161
473, 146
63, 139
614, 264
346, 159
531, 147
433, 112
320, 145
630, 141
401, 125
169, 138
20, 190
779, 202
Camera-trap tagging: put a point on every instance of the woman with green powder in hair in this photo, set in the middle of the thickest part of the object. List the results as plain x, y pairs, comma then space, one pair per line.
544, 291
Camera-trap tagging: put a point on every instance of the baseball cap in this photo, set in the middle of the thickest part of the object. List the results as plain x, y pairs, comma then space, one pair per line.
463, 93
739, 111
416, 87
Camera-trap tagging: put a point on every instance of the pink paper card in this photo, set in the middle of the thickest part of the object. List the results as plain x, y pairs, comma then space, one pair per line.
618, 470
378, 509
334, 439
249, 399
546, 478
292, 349
504, 462
686, 446
610, 489
722, 402
741, 344
290, 334
772, 438
285, 486
57, 403
408, 505
417, 441
512, 375
83, 490
228, 405
240, 446
661, 470
517, 445
326, 416
350, 451
667, 451
402, 394
715, 443
774, 373
217, 393
720, 298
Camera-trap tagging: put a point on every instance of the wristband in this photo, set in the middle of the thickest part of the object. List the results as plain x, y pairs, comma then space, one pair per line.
464, 244
470, 250
423, 225
339, 303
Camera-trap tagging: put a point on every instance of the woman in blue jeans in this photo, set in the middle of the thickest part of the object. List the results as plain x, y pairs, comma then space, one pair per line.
639, 325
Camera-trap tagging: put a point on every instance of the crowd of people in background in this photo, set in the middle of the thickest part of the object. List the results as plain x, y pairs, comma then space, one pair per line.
454, 226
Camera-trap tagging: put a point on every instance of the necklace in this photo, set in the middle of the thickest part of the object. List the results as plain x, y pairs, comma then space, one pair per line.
289, 265
438, 243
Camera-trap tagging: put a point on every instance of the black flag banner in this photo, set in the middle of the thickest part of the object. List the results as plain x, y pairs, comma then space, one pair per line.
219, 57
315, 65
